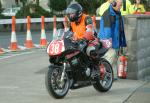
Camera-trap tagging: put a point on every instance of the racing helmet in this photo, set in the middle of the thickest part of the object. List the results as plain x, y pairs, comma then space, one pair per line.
74, 11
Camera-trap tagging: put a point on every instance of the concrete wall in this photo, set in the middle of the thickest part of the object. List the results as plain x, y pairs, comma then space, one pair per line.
137, 29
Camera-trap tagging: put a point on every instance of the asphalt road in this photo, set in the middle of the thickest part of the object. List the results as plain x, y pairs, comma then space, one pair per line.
22, 80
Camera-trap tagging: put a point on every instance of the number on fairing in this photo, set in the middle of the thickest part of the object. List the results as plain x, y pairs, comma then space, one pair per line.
56, 47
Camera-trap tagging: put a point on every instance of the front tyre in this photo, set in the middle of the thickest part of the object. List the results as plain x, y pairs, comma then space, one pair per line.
104, 82
56, 88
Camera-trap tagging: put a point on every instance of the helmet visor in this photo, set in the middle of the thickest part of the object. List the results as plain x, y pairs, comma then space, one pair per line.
70, 11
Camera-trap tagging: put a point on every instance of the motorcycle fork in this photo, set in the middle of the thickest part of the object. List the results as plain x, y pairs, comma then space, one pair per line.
63, 73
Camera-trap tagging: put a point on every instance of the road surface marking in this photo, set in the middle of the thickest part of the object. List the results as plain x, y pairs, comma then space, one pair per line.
13, 55
9, 87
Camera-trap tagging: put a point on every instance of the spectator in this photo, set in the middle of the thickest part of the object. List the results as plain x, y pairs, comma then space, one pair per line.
112, 33
125, 7
137, 7
104, 7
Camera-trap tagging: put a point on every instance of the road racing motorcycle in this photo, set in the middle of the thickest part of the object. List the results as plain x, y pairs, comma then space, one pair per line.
71, 68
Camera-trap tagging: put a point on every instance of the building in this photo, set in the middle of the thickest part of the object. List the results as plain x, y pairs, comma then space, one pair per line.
10, 3
14, 3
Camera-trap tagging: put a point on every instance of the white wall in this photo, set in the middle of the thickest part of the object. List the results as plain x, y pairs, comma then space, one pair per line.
7, 3
43, 3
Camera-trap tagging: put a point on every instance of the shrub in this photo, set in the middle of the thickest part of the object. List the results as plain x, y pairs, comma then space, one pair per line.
39, 11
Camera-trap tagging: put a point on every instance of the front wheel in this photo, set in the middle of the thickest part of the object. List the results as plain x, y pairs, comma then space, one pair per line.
104, 82
56, 88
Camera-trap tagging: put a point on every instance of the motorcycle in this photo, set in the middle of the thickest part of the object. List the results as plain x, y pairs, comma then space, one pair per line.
71, 68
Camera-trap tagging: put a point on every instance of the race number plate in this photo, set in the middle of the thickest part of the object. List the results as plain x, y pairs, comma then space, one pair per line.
55, 47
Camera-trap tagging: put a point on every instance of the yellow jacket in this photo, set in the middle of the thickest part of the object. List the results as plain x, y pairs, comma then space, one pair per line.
126, 12
136, 9
103, 8
106, 5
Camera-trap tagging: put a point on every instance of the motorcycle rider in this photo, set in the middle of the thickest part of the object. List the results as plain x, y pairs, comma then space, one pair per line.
82, 26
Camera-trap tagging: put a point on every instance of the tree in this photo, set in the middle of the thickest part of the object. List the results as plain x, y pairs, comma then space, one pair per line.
146, 4
37, 2
90, 6
57, 5
23, 2
16, 2
1, 7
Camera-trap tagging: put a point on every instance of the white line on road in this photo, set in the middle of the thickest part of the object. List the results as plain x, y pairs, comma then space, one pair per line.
5, 57
9, 87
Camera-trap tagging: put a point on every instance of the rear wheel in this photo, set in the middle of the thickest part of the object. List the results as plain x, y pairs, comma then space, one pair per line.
56, 88
105, 81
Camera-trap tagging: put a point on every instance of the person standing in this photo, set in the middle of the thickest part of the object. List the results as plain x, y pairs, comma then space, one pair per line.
124, 9
137, 7
112, 33
104, 7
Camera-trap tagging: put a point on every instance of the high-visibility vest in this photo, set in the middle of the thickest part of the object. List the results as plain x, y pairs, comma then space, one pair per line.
126, 12
79, 29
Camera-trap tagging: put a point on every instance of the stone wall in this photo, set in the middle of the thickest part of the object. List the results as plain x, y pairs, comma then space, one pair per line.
137, 29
